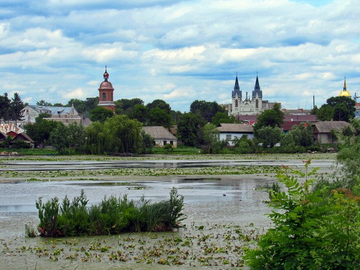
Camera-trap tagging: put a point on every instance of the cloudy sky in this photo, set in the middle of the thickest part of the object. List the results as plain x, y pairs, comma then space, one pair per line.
180, 51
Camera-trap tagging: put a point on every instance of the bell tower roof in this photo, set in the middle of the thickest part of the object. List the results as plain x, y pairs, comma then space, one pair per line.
345, 92
236, 88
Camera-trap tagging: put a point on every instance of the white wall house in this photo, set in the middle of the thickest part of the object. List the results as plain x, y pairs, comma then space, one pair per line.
161, 136
229, 132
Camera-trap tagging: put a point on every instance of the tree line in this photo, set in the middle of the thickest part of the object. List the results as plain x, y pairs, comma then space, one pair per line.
10, 109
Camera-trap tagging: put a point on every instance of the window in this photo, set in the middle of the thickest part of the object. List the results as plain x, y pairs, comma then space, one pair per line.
103, 96
228, 137
236, 103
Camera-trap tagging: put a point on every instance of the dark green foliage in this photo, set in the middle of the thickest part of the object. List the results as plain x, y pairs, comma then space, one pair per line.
100, 114
112, 216
118, 134
337, 109
311, 231
147, 143
189, 127
83, 106
68, 139
205, 109
40, 131
222, 117
269, 118
10, 109
269, 136
302, 135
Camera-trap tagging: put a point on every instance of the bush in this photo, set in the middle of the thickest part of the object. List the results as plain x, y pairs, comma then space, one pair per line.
112, 216
311, 231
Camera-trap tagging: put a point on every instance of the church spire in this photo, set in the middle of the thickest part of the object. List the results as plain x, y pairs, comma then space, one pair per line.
257, 89
236, 88
344, 88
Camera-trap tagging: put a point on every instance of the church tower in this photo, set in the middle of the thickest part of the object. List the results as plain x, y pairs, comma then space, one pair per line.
106, 92
257, 97
345, 92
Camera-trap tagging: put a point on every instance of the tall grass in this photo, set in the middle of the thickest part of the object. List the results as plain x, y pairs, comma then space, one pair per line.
112, 216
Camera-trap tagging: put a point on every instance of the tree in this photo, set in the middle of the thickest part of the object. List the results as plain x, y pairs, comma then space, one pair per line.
269, 136
222, 117
325, 113
5, 107
269, 118
159, 117
206, 109
159, 103
337, 109
40, 131
68, 139
211, 139
126, 106
140, 113
118, 134
16, 106
302, 135
188, 128
43, 103
101, 114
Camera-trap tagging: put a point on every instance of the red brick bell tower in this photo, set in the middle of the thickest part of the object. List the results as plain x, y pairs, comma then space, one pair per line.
106, 92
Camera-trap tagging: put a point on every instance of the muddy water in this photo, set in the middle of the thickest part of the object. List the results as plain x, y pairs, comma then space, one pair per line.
210, 201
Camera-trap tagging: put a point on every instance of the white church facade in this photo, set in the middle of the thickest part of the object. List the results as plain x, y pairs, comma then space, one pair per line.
248, 105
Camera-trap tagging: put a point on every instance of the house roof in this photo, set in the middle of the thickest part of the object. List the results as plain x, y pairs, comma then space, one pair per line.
328, 126
159, 133
54, 110
235, 128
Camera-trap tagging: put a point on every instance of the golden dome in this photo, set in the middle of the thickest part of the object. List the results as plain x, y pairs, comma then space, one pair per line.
345, 92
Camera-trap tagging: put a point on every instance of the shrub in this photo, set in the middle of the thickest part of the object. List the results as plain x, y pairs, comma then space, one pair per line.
310, 231
112, 216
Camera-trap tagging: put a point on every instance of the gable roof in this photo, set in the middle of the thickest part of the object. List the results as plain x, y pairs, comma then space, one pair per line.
328, 126
159, 133
235, 128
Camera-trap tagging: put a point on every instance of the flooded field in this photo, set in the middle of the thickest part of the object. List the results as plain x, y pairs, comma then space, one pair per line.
224, 212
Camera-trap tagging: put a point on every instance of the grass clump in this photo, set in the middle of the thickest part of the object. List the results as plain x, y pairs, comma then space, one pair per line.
112, 216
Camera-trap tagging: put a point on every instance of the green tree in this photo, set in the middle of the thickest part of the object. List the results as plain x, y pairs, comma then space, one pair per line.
16, 106
68, 139
43, 103
337, 109
325, 113
40, 131
118, 134
126, 106
159, 103
211, 139
269, 118
222, 117
101, 114
159, 117
140, 113
269, 136
188, 128
206, 109
147, 143
302, 135
5, 107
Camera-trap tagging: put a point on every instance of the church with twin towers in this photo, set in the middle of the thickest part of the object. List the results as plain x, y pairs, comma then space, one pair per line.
248, 104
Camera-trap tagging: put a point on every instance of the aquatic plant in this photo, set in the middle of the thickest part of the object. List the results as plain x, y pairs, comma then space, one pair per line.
112, 216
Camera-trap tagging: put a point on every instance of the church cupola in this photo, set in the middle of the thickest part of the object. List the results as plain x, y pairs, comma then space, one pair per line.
106, 92
237, 89
257, 91
345, 92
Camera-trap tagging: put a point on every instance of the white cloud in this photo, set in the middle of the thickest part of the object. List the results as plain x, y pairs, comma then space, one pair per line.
77, 93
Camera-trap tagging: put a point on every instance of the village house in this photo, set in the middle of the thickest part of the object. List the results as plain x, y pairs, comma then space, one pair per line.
161, 136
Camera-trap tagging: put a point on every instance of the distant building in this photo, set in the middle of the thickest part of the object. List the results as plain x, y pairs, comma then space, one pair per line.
161, 136
15, 133
66, 115
230, 132
323, 130
248, 105
106, 91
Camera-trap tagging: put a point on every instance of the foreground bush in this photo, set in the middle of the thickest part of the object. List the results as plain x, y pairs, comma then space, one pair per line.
112, 216
310, 231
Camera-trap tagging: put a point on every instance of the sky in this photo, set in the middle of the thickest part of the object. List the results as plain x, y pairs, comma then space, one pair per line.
180, 51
